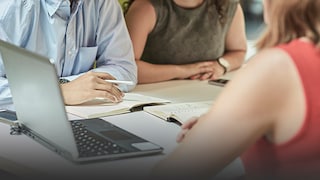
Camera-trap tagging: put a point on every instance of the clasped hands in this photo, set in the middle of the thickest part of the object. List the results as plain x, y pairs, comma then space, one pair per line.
90, 86
206, 70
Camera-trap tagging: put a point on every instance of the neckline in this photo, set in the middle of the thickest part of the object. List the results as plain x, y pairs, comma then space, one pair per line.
188, 8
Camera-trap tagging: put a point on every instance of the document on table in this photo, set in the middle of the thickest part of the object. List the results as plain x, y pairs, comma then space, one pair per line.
100, 108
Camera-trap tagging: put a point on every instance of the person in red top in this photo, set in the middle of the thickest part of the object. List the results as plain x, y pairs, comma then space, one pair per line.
269, 113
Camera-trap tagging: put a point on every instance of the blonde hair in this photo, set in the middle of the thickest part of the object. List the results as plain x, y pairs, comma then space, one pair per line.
289, 20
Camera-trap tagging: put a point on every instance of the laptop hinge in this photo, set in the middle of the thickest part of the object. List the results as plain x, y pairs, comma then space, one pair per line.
15, 129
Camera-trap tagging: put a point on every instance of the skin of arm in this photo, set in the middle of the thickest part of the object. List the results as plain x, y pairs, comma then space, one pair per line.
265, 98
235, 50
141, 19
75, 92
236, 42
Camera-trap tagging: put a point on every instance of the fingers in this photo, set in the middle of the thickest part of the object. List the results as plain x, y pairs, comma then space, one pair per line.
114, 94
203, 70
107, 95
216, 75
189, 124
181, 135
215, 72
103, 75
205, 67
97, 87
197, 76
109, 89
206, 76
185, 128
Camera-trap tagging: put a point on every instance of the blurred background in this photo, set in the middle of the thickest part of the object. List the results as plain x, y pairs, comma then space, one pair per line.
253, 12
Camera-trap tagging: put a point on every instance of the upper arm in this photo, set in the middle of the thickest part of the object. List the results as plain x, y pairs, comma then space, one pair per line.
140, 19
253, 104
246, 109
236, 37
258, 92
15, 19
115, 51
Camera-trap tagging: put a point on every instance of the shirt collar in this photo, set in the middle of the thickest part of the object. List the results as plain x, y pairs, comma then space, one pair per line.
52, 6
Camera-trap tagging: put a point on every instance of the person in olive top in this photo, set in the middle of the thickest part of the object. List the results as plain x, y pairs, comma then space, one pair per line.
193, 39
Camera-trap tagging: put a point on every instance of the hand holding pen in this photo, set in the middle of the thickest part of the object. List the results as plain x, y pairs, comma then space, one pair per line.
92, 85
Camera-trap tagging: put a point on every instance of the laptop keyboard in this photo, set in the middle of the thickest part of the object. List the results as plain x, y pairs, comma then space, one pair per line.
89, 144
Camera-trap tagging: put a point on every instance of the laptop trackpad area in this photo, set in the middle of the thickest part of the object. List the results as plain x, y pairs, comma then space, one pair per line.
116, 135
109, 131
145, 146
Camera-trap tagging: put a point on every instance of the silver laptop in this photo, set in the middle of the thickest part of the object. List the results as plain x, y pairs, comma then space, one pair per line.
41, 114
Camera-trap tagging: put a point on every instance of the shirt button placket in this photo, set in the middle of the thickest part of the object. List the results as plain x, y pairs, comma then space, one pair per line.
70, 48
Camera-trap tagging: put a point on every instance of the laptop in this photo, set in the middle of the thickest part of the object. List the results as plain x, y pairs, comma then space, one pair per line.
42, 116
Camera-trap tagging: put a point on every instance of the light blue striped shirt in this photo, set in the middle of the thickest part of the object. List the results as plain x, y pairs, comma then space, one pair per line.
94, 31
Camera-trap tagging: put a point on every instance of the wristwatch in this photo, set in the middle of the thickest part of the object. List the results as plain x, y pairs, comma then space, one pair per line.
63, 81
225, 64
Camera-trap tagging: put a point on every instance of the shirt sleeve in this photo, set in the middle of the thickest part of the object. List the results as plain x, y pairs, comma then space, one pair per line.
10, 10
115, 51
5, 94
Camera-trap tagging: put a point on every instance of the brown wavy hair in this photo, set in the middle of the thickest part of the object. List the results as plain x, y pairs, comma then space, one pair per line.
222, 9
289, 20
221, 6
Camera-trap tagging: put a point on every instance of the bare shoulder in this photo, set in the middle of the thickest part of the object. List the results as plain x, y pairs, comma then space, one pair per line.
272, 73
141, 17
271, 60
263, 85
143, 6
269, 73
272, 55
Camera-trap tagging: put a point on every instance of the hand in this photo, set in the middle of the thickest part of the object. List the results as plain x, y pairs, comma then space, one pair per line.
216, 72
189, 70
186, 127
90, 86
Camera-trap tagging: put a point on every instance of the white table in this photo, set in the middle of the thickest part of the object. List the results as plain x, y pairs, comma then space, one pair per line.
22, 155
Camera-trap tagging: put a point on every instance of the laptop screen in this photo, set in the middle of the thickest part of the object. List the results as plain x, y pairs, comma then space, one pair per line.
37, 97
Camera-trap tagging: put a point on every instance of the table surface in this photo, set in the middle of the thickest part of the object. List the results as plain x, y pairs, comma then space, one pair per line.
25, 157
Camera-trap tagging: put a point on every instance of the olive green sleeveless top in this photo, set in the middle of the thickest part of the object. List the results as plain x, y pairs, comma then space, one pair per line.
183, 36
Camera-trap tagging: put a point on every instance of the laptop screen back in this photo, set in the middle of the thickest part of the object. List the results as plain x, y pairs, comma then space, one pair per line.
37, 97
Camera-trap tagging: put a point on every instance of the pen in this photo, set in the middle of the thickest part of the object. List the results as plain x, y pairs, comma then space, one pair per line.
120, 82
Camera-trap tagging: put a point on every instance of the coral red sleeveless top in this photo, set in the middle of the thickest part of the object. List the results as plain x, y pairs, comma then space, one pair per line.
299, 157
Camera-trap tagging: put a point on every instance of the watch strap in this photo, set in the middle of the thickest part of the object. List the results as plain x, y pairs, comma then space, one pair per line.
224, 67
63, 81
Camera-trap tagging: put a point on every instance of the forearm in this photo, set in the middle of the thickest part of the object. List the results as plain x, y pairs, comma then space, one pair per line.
197, 158
235, 58
149, 73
